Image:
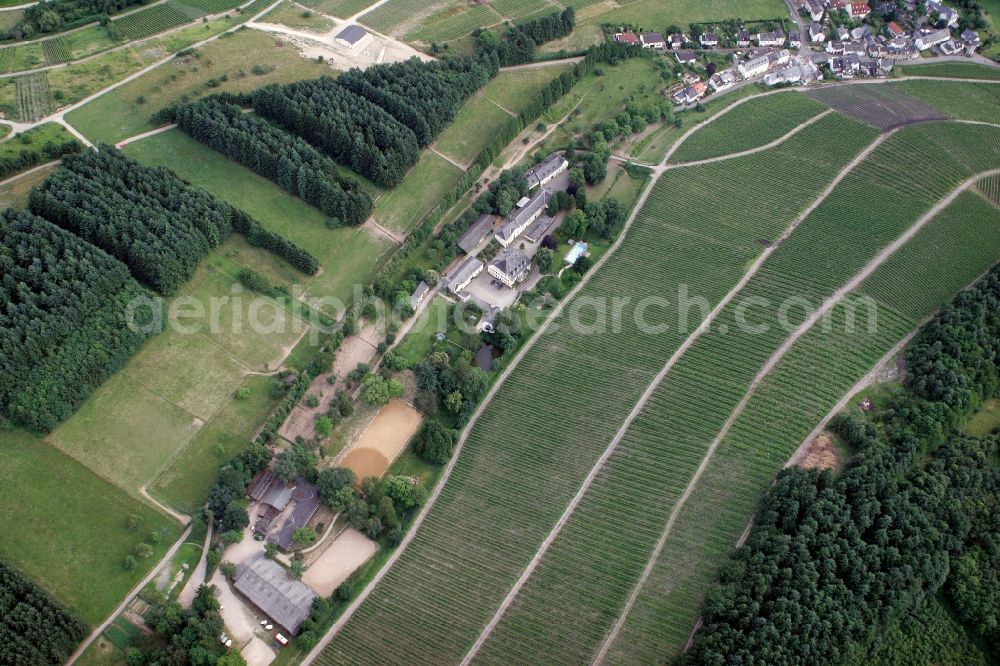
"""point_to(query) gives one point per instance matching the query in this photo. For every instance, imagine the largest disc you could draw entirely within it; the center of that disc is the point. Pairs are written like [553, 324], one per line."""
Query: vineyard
[448, 25]
[339, 8]
[990, 187]
[7, 59]
[206, 6]
[517, 9]
[521, 465]
[967, 101]
[56, 50]
[150, 21]
[752, 124]
[877, 105]
[34, 100]
[393, 13]
[792, 399]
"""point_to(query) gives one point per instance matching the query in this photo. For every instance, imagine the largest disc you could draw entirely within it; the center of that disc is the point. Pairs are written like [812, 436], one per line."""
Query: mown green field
[474, 127]
[752, 124]
[66, 527]
[425, 184]
[958, 70]
[522, 464]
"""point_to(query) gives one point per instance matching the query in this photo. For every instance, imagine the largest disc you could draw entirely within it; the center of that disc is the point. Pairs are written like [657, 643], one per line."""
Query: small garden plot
[7, 59]
[56, 50]
[877, 105]
[34, 100]
[382, 440]
[452, 23]
[150, 21]
[515, 9]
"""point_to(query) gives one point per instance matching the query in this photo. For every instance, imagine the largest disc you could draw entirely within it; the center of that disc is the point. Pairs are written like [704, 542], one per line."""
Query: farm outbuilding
[267, 585]
[353, 37]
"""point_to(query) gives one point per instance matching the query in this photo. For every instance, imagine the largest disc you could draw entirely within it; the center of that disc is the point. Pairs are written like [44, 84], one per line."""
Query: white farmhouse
[754, 67]
[519, 220]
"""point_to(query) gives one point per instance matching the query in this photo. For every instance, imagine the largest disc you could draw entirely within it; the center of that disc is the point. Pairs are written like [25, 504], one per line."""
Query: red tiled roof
[627, 38]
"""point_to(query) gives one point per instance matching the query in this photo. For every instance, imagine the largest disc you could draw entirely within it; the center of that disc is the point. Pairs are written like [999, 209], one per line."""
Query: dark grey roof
[260, 484]
[352, 34]
[278, 494]
[476, 232]
[307, 501]
[269, 587]
[521, 216]
[419, 293]
[545, 168]
[538, 227]
[512, 262]
[470, 267]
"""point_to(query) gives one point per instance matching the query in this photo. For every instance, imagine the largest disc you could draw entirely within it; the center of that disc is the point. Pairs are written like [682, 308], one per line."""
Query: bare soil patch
[382, 440]
[342, 557]
[822, 454]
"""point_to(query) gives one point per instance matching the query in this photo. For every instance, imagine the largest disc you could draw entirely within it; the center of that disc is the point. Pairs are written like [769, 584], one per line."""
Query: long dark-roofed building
[267, 585]
[475, 234]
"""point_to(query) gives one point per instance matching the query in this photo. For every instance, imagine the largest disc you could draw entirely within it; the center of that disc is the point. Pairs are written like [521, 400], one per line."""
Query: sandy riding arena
[382, 440]
[349, 551]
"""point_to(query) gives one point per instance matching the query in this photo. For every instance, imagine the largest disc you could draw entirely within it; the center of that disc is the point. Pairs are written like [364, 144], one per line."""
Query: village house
[510, 266]
[708, 40]
[894, 29]
[523, 216]
[754, 67]
[546, 170]
[931, 39]
[685, 57]
[722, 80]
[816, 34]
[626, 38]
[971, 39]
[463, 275]
[776, 38]
[742, 39]
[951, 47]
[949, 16]
[794, 41]
[858, 10]
[677, 40]
[843, 34]
[652, 40]
[689, 94]
[815, 8]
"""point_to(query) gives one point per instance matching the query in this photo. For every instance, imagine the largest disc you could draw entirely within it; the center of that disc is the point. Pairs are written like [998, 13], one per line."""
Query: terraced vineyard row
[150, 21]
[393, 13]
[967, 101]
[516, 9]
[339, 8]
[7, 59]
[750, 125]
[451, 26]
[208, 6]
[798, 393]
[990, 187]
[521, 464]
[34, 100]
[56, 50]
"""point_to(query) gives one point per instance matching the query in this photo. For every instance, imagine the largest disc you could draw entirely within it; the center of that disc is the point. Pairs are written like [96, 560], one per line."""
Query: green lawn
[959, 70]
[421, 338]
[295, 17]
[65, 526]
[15, 193]
[185, 483]
[117, 115]
[513, 90]
[348, 256]
[966, 101]
[473, 128]
[618, 184]
[419, 192]
[986, 421]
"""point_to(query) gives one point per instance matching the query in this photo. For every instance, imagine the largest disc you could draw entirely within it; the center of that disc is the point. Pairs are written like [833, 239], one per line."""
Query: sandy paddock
[382, 440]
[342, 557]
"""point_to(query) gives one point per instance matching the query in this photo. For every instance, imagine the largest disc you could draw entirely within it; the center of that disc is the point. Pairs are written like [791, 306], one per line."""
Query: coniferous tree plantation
[832, 563]
[277, 155]
[34, 628]
[375, 121]
[146, 217]
[63, 304]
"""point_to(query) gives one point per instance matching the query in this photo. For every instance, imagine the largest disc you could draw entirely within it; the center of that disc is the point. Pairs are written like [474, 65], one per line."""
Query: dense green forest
[282, 157]
[34, 628]
[518, 45]
[62, 319]
[366, 119]
[146, 217]
[834, 564]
